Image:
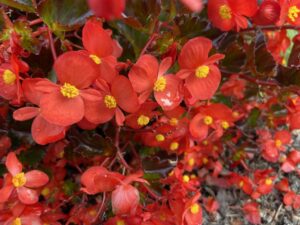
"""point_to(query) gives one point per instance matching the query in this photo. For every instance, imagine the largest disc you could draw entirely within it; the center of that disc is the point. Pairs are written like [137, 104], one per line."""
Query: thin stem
[36, 21]
[51, 42]
[151, 39]
[271, 27]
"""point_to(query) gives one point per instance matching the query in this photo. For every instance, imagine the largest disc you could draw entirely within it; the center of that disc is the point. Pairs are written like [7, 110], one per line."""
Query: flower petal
[12, 164]
[126, 98]
[76, 68]
[25, 113]
[140, 80]
[27, 196]
[36, 178]
[59, 110]
[197, 128]
[96, 112]
[194, 53]
[5, 193]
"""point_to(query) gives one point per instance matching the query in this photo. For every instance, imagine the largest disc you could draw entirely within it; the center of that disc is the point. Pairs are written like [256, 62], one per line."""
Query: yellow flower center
[19, 180]
[174, 146]
[9, 77]
[173, 121]
[278, 143]
[202, 71]
[120, 222]
[143, 120]
[293, 13]
[160, 84]
[93, 212]
[160, 137]
[195, 208]
[208, 120]
[225, 125]
[110, 101]
[225, 12]
[235, 114]
[45, 192]
[186, 178]
[69, 91]
[205, 142]
[191, 162]
[241, 184]
[268, 181]
[205, 160]
[96, 59]
[17, 221]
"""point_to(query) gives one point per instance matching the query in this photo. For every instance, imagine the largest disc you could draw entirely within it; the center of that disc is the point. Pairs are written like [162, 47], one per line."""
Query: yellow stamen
[174, 146]
[17, 221]
[120, 222]
[235, 114]
[268, 181]
[195, 208]
[160, 137]
[241, 184]
[293, 13]
[19, 180]
[208, 120]
[278, 143]
[186, 178]
[225, 12]
[93, 212]
[96, 59]
[202, 71]
[173, 121]
[9, 77]
[45, 192]
[205, 142]
[143, 120]
[225, 125]
[191, 162]
[69, 91]
[160, 84]
[205, 160]
[110, 101]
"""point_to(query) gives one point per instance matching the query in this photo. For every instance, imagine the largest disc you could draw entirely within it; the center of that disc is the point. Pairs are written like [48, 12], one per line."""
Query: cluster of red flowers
[169, 104]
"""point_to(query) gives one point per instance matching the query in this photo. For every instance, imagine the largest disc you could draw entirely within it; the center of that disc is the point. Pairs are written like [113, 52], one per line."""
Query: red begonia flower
[290, 12]
[102, 53]
[119, 95]
[21, 182]
[147, 76]
[63, 104]
[251, 211]
[202, 77]
[227, 14]
[108, 9]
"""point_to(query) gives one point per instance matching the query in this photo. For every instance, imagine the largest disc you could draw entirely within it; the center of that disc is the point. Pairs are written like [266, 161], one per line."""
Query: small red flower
[234, 87]
[147, 76]
[21, 182]
[64, 104]
[108, 9]
[227, 14]
[268, 13]
[251, 211]
[290, 12]
[202, 77]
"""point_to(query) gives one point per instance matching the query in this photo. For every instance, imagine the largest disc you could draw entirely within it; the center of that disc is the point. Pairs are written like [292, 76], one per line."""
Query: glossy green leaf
[24, 5]
[64, 15]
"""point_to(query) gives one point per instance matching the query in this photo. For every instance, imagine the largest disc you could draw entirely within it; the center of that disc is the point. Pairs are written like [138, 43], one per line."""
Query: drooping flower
[147, 76]
[108, 9]
[119, 95]
[22, 183]
[202, 77]
[229, 14]
[63, 104]
[268, 13]
[104, 52]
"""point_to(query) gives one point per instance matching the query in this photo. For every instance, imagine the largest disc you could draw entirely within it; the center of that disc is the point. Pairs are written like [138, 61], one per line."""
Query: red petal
[242, 7]
[59, 110]
[76, 68]
[45, 86]
[193, 5]
[30, 93]
[13, 165]
[90, 94]
[204, 88]
[197, 128]
[194, 53]
[150, 64]
[126, 98]
[120, 118]
[170, 98]
[97, 112]
[124, 199]
[165, 64]
[5, 193]
[44, 132]
[91, 34]
[27, 196]
[108, 69]
[252, 212]
[25, 113]
[36, 178]
[139, 79]
[108, 9]
[185, 73]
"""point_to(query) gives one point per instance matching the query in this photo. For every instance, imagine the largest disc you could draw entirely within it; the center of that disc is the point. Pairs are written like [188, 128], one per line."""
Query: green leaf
[69, 187]
[32, 156]
[253, 117]
[64, 15]
[24, 5]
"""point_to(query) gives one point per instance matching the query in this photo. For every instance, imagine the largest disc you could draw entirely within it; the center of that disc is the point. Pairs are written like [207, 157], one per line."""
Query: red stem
[36, 21]
[151, 39]
[51, 42]
[272, 27]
